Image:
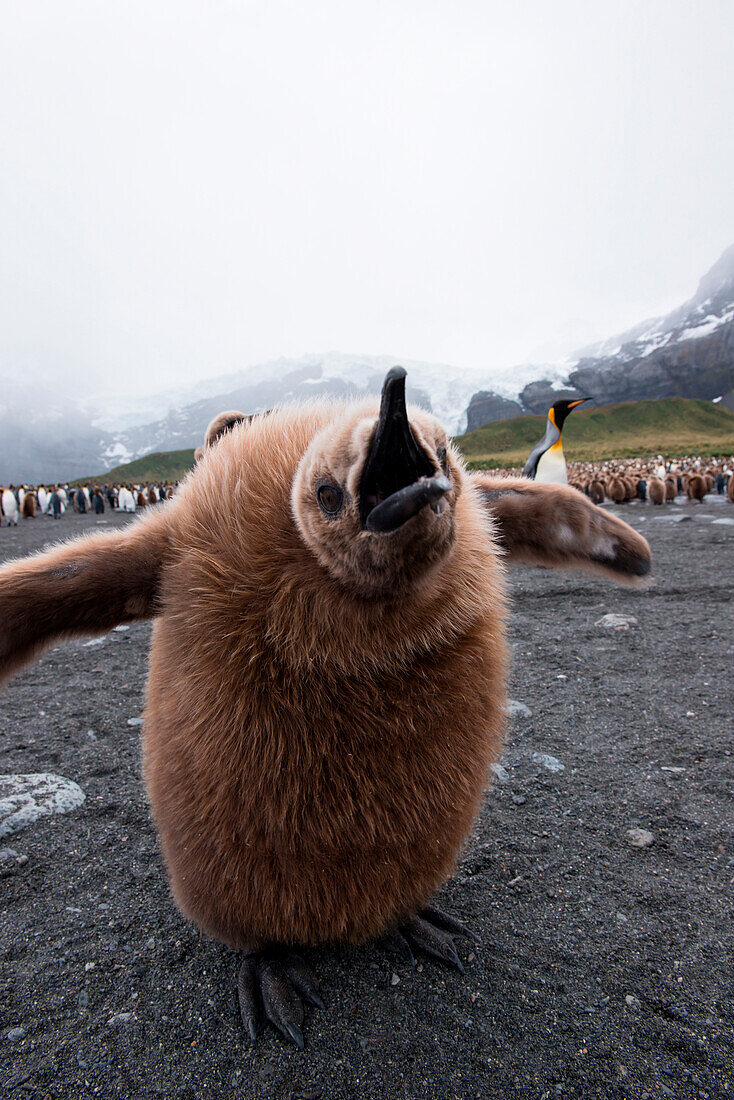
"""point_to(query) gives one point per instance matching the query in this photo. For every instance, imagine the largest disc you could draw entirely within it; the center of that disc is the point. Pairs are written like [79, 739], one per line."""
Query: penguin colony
[653, 481]
[327, 671]
[595, 481]
[619, 482]
[29, 501]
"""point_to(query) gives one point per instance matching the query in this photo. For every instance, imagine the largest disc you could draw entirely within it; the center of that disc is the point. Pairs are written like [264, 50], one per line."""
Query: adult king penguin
[327, 672]
[547, 462]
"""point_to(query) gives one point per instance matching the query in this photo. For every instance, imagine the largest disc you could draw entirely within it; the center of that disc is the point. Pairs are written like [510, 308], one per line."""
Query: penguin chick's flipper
[86, 586]
[431, 931]
[556, 526]
[272, 985]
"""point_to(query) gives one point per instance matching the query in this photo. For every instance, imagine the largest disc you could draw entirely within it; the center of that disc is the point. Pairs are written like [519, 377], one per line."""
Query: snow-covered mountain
[687, 353]
[441, 389]
[42, 441]
[46, 436]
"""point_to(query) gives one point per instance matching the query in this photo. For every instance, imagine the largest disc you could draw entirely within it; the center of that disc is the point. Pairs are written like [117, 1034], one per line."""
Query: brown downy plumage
[28, 508]
[222, 423]
[671, 487]
[327, 672]
[695, 487]
[617, 490]
[596, 491]
[655, 490]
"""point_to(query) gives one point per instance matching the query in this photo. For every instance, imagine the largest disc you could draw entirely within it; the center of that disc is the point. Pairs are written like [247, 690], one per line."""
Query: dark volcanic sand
[573, 920]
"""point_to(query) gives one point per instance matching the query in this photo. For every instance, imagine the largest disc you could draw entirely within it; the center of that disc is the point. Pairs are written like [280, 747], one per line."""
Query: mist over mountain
[689, 352]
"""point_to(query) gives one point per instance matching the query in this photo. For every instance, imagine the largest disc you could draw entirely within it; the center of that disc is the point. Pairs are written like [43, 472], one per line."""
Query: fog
[191, 187]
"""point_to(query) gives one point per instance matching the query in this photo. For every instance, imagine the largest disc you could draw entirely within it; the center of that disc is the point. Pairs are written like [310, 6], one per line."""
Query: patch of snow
[118, 452]
[695, 332]
[657, 340]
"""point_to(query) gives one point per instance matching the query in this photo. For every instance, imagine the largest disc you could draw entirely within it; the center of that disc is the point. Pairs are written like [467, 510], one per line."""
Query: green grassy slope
[670, 426]
[159, 466]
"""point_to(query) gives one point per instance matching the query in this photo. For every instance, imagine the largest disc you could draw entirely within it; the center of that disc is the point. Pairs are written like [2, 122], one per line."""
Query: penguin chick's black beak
[398, 479]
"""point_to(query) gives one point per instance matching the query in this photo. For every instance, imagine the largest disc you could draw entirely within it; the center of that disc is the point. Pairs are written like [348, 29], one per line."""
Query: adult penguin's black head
[559, 410]
[374, 494]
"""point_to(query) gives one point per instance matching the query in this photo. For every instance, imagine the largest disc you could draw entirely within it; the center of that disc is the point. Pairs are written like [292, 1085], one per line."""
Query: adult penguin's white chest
[552, 466]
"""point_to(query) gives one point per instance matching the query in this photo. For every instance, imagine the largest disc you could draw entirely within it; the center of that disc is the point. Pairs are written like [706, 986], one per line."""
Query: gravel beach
[598, 876]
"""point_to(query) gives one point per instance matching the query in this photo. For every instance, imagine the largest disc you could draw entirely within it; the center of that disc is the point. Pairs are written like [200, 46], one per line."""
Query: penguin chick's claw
[431, 931]
[272, 986]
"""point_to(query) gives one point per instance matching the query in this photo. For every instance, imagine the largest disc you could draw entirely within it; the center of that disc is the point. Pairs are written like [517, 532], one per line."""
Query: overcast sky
[187, 188]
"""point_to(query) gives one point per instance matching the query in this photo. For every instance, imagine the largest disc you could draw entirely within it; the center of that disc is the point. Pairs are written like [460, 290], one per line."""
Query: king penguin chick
[546, 462]
[327, 672]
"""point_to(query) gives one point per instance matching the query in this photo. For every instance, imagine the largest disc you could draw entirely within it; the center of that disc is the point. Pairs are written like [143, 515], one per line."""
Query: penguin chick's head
[374, 494]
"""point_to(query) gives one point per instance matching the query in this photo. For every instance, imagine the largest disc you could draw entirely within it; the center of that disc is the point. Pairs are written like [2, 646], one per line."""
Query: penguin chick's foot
[431, 931]
[272, 985]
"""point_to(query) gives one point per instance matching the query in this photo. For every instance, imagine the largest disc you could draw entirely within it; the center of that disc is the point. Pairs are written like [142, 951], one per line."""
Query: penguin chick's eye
[330, 498]
[442, 458]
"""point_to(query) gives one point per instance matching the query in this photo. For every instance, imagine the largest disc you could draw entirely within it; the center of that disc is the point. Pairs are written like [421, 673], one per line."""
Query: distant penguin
[730, 488]
[125, 500]
[28, 507]
[671, 488]
[43, 497]
[327, 675]
[656, 491]
[596, 491]
[617, 490]
[547, 462]
[10, 507]
[695, 487]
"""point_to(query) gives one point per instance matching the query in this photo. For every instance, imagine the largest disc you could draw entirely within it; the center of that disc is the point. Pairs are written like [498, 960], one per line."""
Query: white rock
[616, 622]
[25, 798]
[517, 710]
[728, 522]
[120, 1019]
[96, 641]
[135, 721]
[501, 774]
[119, 629]
[640, 838]
[552, 763]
